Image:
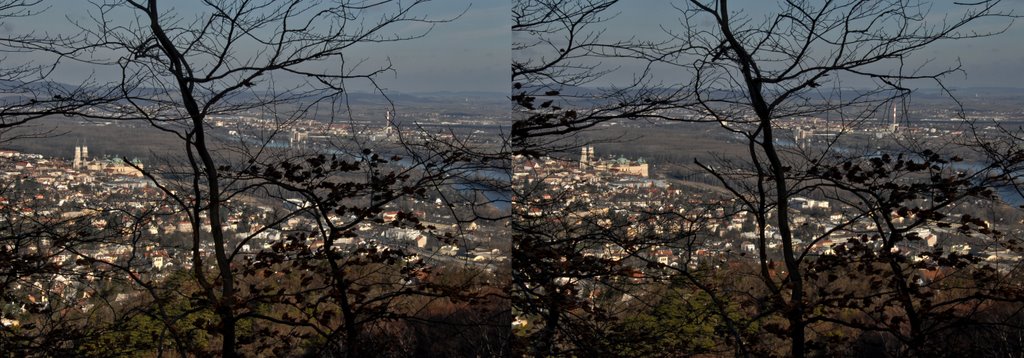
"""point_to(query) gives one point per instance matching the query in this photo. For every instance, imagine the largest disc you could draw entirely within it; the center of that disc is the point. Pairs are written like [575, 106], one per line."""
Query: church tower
[587, 156]
[583, 157]
[77, 163]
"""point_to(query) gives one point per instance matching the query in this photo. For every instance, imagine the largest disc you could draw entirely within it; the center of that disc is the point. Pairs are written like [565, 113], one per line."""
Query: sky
[469, 53]
[996, 61]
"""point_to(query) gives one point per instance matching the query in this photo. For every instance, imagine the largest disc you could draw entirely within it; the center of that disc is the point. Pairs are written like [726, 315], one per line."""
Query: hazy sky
[991, 61]
[470, 53]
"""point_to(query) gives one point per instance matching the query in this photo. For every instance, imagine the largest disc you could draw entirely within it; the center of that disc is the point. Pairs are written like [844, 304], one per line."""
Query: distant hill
[355, 97]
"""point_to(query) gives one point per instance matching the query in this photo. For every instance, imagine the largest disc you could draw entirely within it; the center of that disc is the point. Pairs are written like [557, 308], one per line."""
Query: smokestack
[895, 124]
